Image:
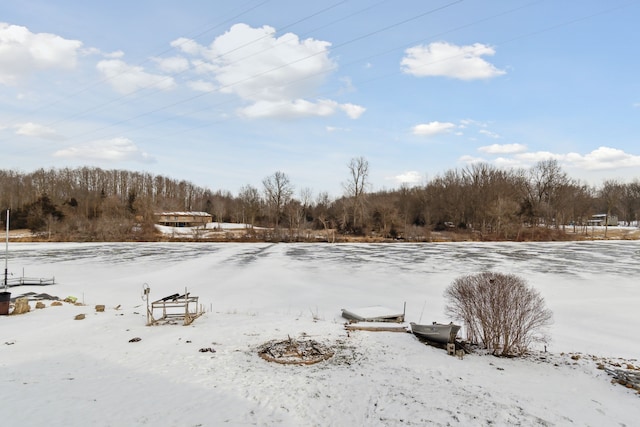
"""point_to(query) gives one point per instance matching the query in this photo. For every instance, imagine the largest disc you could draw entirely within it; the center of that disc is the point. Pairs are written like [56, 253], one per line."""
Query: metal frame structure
[173, 307]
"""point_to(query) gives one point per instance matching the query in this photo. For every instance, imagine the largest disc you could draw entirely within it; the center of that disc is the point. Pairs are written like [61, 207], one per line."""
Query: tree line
[93, 204]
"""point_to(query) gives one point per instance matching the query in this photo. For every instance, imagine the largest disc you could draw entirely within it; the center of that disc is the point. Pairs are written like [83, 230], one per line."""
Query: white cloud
[258, 66]
[353, 111]
[449, 60]
[114, 55]
[470, 122]
[37, 131]
[347, 85]
[290, 109]
[201, 86]
[203, 67]
[409, 177]
[489, 134]
[110, 150]
[501, 162]
[433, 128]
[174, 64]
[126, 78]
[297, 108]
[511, 163]
[470, 159]
[337, 129]
[188, 46]
[95, 51]
[603, 158]
[23, 52]
[538, 156]
[88, 51]
[600, 159]
[277, 76]
[503, 148]
[255, 65]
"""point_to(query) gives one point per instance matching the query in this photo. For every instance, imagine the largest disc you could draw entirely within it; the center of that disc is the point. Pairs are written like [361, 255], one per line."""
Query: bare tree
[278, 191]
[499, 310]
[384, 217]
[355, 188]
[490, 197]
[446, 197]
[546, 178]
[295, 216]
[503, 204]
[630, 205]
[306, 196]
[323, 215]
[611, 195]
[250, 202]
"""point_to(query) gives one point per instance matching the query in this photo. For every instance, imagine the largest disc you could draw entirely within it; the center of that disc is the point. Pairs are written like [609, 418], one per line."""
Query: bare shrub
[500, 311]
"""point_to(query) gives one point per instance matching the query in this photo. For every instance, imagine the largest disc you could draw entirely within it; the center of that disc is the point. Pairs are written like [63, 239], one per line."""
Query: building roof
[183, 213]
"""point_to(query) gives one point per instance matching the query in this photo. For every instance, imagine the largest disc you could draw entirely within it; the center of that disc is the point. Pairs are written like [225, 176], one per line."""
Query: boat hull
[372, 314]
[436, 332]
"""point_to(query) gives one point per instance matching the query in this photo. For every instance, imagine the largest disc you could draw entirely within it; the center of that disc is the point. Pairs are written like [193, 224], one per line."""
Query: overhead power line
[363, 36]
[271, 70]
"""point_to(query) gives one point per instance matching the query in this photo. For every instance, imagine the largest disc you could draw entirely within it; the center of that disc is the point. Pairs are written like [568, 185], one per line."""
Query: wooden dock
[29, 281]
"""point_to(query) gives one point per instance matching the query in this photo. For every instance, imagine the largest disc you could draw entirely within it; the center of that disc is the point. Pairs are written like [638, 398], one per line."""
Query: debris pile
[626, 377]
[295, 352]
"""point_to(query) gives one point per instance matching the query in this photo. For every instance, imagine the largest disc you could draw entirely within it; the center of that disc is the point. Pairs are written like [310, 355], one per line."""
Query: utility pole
[5, 296]
[6, 257]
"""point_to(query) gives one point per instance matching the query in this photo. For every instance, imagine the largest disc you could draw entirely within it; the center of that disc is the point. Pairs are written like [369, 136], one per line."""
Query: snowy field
[57, 371]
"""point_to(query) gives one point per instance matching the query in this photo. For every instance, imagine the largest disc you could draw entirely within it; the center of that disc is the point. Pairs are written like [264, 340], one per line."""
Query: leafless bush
[499, 311]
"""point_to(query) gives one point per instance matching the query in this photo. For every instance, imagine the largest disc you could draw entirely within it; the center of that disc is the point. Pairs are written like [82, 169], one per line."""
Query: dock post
[451, 349]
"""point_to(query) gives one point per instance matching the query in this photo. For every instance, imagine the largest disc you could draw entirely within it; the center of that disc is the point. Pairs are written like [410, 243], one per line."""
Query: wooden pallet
[626, 378]
[373, 327]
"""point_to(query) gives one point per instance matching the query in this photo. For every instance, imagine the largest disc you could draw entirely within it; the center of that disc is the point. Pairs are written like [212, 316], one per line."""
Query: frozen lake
[611, 258]
[253, 293]
[593, 284]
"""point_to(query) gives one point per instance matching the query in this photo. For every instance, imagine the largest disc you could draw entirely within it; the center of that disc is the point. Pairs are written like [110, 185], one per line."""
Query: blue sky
[225, 93]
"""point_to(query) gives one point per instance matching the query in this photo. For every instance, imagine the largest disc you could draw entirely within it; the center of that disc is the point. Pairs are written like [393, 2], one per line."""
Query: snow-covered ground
[57, 371]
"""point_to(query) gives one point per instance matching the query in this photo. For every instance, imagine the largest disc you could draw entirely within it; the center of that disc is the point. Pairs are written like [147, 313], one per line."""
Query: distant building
[183, 219]
[603, 219]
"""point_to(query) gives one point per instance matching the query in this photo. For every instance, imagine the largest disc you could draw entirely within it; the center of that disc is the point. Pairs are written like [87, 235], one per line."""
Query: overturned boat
[436, 332]
[373, 314]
